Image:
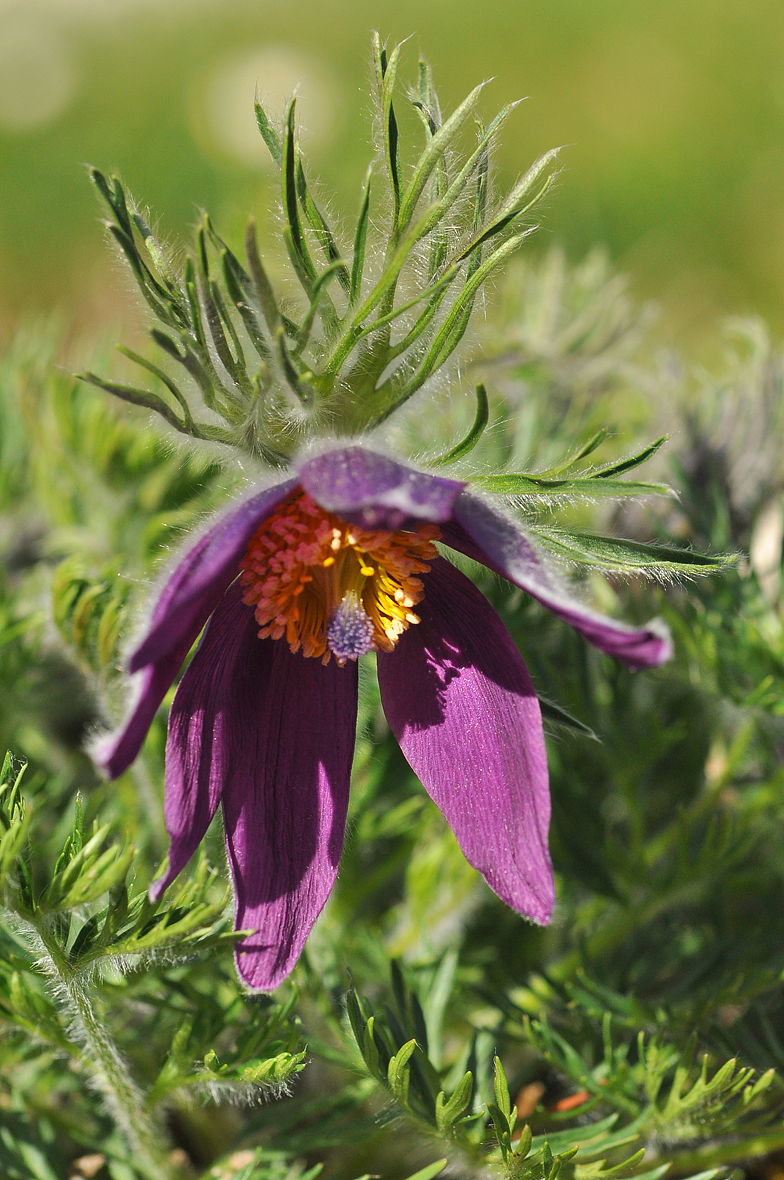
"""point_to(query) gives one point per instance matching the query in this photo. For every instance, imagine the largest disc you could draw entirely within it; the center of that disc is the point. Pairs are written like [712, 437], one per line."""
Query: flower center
[332, 588]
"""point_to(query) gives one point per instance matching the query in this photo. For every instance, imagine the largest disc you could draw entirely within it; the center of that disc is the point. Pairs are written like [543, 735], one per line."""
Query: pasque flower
[296, 581]
[290, 586]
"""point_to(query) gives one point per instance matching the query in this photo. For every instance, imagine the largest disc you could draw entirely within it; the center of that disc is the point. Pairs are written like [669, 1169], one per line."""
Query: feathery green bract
[370, 335]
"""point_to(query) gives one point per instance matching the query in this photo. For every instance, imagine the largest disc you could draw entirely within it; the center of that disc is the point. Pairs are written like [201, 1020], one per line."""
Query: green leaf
[629, 556]
[369, 1049]
[261, 284]
[318, 293]
[576, 1136]
[448, 337]
[437, 145]
[295, 241]
[759, 1087]
[430, 1171]
[137, 397]
[523, 1145]
[216, 317]
[85, 939]
[501, 1088]
[156, 252]
[321, 229]
[238, 286]
[501, 1128]
[598, 1171]
[520, 199]
[534, 485]
[269, 134]
[386, 284]
[360, 240]
[163, 378]
[165, 302]
[68, 876]
[449, 1111]
[12, 843]
[398, 1071]
[475, 433]
[386, 72]
[101, 876]
[181, 1038]
[571, 461]
[272, 1070]
[630, 461]
[556, 713]
[11, 775]
[436, 212]
[452, 329]
[356, 1016]
[294, 378]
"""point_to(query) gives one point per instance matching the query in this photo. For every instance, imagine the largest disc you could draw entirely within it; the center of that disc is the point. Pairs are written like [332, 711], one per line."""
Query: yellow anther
[303, 561]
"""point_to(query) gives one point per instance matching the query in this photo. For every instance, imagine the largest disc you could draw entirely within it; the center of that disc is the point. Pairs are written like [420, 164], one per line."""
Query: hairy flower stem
[108, 1070]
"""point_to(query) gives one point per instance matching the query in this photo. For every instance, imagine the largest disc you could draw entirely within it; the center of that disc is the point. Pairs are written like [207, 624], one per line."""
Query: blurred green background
[673, 111]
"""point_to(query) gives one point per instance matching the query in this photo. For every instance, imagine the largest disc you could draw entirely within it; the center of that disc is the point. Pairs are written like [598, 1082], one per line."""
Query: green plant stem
[109, 1071]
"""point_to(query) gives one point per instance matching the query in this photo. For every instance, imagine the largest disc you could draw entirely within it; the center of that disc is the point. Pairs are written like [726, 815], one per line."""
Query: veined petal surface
[185, 602]
[290, 746]
[461, 704]
[483, 533]
[375, 491]
[202, 743]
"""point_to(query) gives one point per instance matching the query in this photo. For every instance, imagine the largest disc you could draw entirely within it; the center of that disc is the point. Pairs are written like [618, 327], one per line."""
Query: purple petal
[486, 535]
[184, 604]
[375, 491]
[202, 574]
[460, 702]
[289, 750]
[200, 745]
[115, 753]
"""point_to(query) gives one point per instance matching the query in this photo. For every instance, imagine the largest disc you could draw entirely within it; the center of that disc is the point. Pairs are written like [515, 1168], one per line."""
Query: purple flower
[294, 582]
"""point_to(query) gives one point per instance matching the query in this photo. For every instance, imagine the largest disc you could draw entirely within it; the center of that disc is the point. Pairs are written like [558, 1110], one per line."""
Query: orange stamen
[304, 564]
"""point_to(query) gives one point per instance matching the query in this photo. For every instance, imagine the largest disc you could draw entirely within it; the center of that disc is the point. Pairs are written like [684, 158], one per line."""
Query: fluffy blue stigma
[350, 630]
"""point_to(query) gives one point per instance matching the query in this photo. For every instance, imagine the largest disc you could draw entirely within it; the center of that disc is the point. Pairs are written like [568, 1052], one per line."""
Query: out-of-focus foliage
[673, 112]
[639, 1035]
